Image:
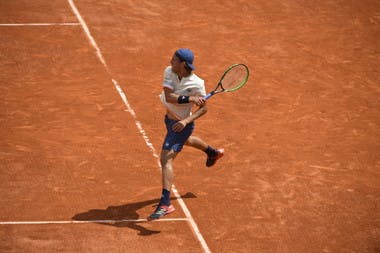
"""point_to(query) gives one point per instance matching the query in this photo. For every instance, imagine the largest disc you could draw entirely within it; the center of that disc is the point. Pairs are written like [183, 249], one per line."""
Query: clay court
[81, 126]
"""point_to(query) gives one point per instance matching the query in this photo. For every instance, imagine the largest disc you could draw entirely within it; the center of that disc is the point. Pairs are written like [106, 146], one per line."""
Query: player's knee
[163, 161]
[167, 158]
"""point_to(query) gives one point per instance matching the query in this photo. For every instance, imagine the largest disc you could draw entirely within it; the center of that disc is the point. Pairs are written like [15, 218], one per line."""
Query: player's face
[176, 64]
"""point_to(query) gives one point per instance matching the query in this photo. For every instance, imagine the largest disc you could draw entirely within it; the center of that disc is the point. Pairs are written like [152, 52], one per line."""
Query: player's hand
[179, 126]
[197, 100]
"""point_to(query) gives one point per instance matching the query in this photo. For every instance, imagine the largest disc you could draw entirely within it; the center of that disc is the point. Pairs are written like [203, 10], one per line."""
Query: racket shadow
[126, 212]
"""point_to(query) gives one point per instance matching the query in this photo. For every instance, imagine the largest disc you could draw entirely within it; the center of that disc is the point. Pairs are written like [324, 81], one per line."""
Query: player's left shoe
[211, 160]
[161, 211]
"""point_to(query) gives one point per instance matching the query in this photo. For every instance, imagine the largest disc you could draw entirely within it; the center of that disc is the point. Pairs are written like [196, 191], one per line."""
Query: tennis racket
[232, 79]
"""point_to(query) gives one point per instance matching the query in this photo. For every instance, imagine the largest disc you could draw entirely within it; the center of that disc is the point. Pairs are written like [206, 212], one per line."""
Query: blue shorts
[175, 140]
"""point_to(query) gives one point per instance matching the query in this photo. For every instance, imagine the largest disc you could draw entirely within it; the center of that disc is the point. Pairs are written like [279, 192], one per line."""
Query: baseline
[42, 24]
[86, 221]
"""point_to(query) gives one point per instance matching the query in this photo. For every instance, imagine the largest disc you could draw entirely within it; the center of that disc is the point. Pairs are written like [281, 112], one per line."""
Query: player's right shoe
[211, 160]
[161, 211]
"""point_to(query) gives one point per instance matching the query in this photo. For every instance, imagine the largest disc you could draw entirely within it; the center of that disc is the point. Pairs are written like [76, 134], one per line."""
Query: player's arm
[180, 125]
[201, 110]
[173, 98]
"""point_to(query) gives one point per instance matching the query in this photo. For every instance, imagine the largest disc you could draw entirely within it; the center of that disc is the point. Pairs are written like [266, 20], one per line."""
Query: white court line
[87, 221]
[138, 124]
[41, 24]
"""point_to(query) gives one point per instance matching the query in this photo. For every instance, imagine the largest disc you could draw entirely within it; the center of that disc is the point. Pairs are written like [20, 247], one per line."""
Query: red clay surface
[301, 170]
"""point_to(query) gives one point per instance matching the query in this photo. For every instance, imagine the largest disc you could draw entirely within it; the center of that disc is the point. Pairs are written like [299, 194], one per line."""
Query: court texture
[81, 126]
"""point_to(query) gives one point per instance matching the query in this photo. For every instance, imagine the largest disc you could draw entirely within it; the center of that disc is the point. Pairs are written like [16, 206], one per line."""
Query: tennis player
[182, 89]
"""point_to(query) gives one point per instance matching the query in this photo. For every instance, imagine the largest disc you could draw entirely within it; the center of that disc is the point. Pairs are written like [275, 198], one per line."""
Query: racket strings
[235, 77]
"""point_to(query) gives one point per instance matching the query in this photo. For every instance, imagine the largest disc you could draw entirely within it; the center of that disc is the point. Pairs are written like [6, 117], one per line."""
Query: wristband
[183, 99]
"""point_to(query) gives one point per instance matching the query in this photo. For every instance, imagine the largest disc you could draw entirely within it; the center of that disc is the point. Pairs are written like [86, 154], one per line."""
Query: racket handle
[208, 95]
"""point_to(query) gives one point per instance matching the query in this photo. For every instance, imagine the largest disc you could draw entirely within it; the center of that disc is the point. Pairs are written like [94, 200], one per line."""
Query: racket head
[234, 77]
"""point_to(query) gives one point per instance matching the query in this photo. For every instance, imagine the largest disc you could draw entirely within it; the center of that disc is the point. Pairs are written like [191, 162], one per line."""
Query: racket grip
[208, 96]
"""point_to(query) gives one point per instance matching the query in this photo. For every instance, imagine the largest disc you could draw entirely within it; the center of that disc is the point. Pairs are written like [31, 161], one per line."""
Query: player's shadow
[124, 212]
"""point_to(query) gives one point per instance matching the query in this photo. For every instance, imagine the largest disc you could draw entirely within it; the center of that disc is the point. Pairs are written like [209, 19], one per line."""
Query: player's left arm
[173, 98]
[199, 112]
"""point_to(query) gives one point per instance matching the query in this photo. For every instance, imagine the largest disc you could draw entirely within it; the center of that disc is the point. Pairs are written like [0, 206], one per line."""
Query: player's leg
[196, 142]
[212, 154]
[164, 206]
[167, 158]
[172, 145]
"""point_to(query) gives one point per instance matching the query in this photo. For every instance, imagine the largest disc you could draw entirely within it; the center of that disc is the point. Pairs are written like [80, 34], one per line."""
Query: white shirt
[187, 86]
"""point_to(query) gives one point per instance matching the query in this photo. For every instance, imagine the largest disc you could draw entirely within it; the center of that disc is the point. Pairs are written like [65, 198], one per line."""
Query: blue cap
[187, 56]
